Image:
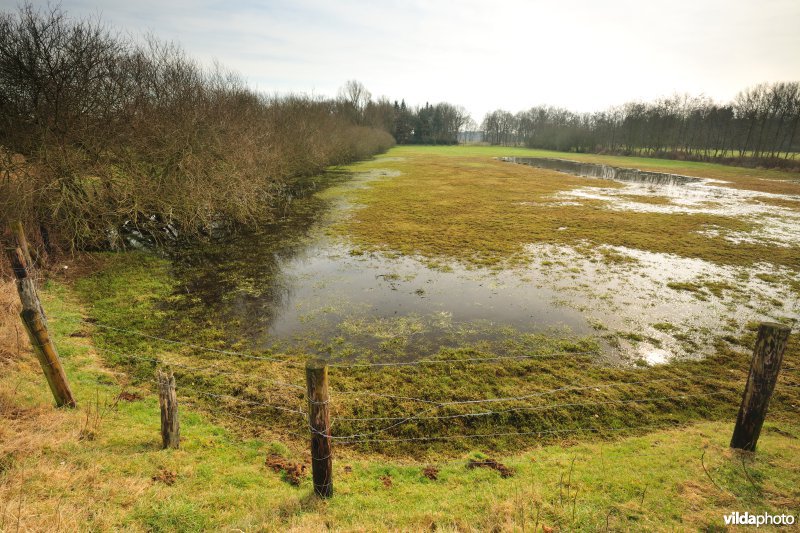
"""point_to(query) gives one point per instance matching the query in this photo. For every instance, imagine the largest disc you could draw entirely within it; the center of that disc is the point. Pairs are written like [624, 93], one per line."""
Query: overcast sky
[487, 54]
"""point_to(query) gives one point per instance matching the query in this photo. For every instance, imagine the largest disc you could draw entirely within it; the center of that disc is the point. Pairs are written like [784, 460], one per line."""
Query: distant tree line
[102, 134]
[761, 126]
[430, 124]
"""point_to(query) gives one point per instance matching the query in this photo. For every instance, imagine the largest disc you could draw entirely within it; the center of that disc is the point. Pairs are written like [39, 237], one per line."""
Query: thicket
[760, 126]
[103, 136]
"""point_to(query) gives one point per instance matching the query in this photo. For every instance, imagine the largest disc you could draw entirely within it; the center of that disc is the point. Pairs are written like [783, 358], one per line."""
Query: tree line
[429, 124]
[760, 126]
[102, 135]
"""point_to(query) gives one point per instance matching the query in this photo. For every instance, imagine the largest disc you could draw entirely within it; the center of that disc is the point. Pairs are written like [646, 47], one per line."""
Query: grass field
[456, 202]
[100, 468]
[659, 465]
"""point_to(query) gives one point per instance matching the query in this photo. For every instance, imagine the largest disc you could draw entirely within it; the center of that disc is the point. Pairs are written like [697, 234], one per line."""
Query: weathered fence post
[36, 325]
[22, 242]
[168, 400]
[319, 422]
[767, 358]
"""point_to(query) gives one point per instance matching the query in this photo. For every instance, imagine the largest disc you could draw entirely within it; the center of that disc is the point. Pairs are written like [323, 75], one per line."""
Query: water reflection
[291, 285]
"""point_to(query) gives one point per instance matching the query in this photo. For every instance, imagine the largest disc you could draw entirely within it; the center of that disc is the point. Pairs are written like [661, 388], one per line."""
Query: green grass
[131, 287]
[661, 464]
[777, 181]
[459, 203]
[54, 480]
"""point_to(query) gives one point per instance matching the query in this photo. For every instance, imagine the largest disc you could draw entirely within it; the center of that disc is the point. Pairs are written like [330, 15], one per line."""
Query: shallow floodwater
[775, 226]
[293, 286]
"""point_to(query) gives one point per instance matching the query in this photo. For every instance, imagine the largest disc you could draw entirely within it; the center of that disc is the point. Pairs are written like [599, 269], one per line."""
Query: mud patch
[504, 470]
[167, 477]
[431, 472]
[293, 473]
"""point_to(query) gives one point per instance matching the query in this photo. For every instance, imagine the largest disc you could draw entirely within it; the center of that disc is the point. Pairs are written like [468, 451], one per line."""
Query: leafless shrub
[102, 137]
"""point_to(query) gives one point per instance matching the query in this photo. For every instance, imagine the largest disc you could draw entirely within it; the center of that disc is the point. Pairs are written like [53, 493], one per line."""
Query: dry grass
[13, 340]
[33, 439]
[30, 429]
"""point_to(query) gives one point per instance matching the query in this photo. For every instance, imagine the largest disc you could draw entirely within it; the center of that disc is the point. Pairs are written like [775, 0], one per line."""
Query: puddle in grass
[292, 287]
[655, 307]
[778, 226]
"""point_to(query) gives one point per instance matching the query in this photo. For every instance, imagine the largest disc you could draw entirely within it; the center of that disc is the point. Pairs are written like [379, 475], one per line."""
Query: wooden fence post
[168, 400]
[36, 325]
[319, 422]
[767, 358]
[22, 242]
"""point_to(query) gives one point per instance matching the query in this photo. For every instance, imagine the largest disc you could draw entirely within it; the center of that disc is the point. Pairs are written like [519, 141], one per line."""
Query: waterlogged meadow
[606, 291]
[429, 248]
[584, 342]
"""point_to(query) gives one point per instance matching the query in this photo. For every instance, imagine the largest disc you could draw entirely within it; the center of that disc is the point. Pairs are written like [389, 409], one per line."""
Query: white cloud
[580, 54]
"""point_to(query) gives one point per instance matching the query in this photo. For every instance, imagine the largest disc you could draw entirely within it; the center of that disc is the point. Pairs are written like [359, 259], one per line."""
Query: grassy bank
[568, 389]
[100, 467]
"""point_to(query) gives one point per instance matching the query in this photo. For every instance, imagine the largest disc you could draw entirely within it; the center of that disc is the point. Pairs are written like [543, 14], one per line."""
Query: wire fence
[381, 429]
[573, 408]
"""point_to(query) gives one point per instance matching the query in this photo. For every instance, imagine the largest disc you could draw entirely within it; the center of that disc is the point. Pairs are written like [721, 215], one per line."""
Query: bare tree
[356, 97]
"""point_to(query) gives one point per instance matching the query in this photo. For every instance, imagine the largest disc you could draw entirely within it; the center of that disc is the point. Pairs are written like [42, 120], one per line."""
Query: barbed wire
[190, 345]
[367, 436]
[511, 433]
[536, 408]
[462, 360]
[182, 386]
[211, 368]
[435, 406]
[223, 414]
[251, 402]
[499, 399]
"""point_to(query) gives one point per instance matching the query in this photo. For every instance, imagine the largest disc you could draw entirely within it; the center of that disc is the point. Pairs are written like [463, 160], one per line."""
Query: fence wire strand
[510, 433]
[536, 408]
[456, 361]
[211, 368]
[190, 345]
[430, 405]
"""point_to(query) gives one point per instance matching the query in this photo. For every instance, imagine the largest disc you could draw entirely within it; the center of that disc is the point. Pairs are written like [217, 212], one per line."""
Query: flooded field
[294, 286]
[311, 282]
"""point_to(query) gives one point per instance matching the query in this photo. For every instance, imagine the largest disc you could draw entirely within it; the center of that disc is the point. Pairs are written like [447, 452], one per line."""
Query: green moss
[694, 288]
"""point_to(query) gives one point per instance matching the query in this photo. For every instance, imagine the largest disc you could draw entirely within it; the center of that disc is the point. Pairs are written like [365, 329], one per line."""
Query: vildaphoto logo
[766, 519]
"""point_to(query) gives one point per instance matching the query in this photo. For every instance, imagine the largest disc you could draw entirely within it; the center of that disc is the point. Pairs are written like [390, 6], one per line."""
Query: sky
[585, 55]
